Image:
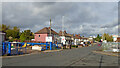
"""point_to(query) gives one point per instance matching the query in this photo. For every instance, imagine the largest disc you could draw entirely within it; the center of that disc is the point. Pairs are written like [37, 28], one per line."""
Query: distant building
[85, 39]
[115, 38]
[91, 39]
[41, 35]
[77, 38]
[118, 39]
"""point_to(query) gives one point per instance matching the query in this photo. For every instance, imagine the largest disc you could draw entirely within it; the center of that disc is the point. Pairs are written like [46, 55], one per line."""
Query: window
[39, 35]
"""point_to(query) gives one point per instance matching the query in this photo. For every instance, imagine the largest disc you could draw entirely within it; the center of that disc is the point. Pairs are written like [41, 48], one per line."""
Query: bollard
[46, 45]
[50, 45]
[9, 48]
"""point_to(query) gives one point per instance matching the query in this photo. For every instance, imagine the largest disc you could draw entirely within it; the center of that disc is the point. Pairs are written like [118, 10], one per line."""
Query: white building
[65, 38]
[2, 37]
[115, 37]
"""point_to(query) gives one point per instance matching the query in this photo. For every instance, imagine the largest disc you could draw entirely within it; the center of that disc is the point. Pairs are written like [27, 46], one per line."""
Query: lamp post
[62, 25]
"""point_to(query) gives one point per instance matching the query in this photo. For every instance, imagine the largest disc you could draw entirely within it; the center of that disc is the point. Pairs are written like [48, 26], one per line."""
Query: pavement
[69, 57]
[108, 53]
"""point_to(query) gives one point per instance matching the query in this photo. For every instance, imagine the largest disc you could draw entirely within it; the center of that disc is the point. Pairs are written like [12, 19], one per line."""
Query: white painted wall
[2, 37]
[63, 40]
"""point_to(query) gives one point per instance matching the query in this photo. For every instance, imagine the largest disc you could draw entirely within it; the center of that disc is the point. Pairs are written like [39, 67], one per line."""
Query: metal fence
[110, 46]
[16, 48]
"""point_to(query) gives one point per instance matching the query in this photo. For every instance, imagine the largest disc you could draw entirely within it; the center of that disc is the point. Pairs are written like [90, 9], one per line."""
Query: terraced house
[65, 38]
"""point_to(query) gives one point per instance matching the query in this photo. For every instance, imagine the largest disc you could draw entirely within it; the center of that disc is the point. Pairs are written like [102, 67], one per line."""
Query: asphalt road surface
[68, 57]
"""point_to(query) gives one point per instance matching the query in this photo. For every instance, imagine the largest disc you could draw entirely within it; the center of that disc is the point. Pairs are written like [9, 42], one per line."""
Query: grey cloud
[42, 4]
[91, 16]
[109, 25]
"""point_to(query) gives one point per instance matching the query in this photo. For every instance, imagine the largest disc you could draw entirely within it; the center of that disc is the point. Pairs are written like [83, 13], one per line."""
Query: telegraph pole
[50, 36]
[50, 27]
[62, 25]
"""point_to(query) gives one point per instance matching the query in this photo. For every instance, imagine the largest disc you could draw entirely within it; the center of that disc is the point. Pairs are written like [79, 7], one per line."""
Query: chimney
[78, 34]
[48, 27]
[64, 31]
[60, 31]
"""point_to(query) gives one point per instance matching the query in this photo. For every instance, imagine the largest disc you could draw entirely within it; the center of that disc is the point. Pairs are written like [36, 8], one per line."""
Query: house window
[39, 35]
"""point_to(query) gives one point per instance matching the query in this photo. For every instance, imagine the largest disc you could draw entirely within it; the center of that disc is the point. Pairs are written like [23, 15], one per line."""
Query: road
[68, 57]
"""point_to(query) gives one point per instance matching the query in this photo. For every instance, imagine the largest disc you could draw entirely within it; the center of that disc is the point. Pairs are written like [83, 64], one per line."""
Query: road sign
[63, 39]
[49, 39]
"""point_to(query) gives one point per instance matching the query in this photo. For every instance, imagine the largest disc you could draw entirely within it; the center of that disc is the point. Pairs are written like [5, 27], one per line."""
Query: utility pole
[50, 36]
[62, 25]
[50, 27]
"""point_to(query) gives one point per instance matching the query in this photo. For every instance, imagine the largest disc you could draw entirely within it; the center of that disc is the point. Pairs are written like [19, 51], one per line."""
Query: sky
[84, 18]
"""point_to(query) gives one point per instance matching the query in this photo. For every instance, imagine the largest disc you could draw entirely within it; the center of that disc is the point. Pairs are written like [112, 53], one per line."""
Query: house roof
[46, 30]
[118, 39]
[84, 38]
[70, 35]
[76, 36]
[64, 34]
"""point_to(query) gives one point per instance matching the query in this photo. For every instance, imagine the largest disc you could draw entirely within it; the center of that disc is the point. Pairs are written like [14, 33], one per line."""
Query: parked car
[80, 45]
[86, 45]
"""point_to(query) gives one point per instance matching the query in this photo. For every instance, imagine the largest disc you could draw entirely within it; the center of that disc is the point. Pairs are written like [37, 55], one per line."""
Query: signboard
[49, 39]
[36, 48]
[63, 39]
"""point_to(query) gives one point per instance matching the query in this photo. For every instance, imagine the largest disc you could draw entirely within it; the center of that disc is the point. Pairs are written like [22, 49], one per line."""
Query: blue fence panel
[6, 47]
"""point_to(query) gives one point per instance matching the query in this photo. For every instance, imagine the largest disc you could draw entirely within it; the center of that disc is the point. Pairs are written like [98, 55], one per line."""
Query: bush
[76, 46]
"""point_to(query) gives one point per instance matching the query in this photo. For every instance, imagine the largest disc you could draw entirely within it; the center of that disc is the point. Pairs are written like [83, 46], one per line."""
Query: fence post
[46, 45]
[21, 49]
[9, 48]
[62, 46]
[3, 49]
[57, 45]
[25, 48]
[32, 44]
[17, 49]
[50, 45]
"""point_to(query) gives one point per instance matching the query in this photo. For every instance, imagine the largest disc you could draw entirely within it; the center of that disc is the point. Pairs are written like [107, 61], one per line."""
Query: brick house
[118, 39]
[40, 36]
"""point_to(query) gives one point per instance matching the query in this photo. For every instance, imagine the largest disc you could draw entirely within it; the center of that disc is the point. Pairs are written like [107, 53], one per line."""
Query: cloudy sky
[85, 18]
